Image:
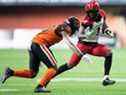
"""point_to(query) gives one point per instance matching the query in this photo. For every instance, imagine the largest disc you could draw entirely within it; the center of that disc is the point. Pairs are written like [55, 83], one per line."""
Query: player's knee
[52, 66]
[33, 74]
[109, 54]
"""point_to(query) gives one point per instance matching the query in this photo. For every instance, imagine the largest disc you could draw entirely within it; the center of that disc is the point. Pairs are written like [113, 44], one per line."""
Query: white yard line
[86, 79]
[61, 80]
[8, 90]
[68, 80]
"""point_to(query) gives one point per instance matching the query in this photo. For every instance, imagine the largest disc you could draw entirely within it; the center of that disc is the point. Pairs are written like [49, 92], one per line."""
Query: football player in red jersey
[40, 51]
[92, 27]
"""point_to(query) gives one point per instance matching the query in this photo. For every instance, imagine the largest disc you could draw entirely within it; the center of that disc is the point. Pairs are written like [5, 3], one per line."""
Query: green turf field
[18, 59]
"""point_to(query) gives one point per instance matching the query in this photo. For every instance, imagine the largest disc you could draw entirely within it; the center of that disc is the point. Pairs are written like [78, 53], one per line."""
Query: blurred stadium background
[23, 18]
[20, 20]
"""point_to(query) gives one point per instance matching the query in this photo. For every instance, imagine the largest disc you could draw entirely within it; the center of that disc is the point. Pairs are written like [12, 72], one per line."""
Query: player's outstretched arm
[71, 45]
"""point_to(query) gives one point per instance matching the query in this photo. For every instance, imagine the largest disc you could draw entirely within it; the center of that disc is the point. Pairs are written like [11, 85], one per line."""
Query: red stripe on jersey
[50, 55]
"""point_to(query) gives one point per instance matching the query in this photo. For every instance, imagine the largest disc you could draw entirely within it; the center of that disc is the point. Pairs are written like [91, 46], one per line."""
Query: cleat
[8, 73]
[107, 82]
[40, 89]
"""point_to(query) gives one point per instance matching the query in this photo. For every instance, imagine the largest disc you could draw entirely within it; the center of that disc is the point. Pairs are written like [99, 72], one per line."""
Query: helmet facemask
[93, 13]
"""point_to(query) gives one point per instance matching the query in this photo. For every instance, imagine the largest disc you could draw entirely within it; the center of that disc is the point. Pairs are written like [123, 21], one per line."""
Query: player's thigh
[101, 50]
[46, 56]
[74, 60]
[49, 57]
[83, 47]
[34, 62]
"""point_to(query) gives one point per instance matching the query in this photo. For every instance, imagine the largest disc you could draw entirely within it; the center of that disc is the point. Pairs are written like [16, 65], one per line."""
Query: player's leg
[104, 51]
[74, 60]
[34, 63]
[26, 73]
[49, 60]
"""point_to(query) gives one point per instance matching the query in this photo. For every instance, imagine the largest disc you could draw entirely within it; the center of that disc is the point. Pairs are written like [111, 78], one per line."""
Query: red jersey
[91, 34]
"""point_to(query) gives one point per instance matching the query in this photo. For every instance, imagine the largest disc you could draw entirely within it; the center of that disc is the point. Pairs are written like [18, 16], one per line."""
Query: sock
[47, 76]
[105, 77]
[107, 64]
[24, 73]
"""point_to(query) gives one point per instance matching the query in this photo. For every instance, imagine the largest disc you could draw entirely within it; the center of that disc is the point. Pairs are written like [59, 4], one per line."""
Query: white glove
[86, 58]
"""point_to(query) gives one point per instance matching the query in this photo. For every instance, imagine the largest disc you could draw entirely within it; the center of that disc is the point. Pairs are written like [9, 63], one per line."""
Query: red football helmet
[92, 5]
